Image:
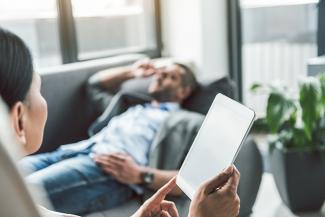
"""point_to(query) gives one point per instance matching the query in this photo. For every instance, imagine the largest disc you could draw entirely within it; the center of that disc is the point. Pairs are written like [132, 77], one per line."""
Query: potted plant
[297, 145]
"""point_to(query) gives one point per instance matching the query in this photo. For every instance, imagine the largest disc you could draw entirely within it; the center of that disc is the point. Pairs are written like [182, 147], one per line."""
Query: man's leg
[77, 185]
[37, 162]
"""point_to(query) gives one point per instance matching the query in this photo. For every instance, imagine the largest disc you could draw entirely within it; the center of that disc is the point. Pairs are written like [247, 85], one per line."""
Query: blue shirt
[133, 131]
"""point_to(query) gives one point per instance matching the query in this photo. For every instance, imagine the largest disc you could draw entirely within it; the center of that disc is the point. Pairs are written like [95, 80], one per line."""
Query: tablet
[217, 143]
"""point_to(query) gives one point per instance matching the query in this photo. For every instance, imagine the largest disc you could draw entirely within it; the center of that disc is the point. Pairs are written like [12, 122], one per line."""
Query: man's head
[173, 83]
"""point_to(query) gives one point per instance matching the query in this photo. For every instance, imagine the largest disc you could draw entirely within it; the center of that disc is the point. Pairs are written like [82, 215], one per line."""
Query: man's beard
[166, 95]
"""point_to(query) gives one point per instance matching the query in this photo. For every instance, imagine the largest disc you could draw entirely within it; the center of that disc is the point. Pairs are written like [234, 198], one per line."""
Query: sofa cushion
[201, 100]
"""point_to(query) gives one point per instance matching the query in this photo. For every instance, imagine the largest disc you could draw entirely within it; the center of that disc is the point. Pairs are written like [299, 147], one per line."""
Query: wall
[197, 30]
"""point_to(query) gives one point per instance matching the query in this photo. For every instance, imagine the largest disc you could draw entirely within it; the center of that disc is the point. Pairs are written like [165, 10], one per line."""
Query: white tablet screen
[216, 144]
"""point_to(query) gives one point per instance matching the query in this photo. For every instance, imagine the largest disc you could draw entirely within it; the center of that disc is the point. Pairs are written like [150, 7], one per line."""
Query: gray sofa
[71, 112]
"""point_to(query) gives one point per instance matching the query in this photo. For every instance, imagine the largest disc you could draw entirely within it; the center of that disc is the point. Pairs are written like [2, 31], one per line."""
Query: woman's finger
[164, 214]
[163, 191]
[218, 181]
[233, 182]
[170, 207]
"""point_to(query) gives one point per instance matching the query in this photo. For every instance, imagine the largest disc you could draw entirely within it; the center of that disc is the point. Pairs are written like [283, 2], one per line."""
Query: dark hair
[188, 79]
[16, 68]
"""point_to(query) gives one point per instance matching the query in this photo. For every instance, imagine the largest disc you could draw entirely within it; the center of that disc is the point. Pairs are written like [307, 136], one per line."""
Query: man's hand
[218, 197]
[143, 68]
[157, 206]
[121, 166]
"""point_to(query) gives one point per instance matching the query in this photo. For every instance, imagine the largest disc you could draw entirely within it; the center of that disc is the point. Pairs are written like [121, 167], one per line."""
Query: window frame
[321, 29]
[68, 36]
[235, 46]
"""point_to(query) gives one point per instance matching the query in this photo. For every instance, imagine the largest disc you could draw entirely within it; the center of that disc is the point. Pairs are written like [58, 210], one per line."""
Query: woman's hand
[157, 205]
[218, 196]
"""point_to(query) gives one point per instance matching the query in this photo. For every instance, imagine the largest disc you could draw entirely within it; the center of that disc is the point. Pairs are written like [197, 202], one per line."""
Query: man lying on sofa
[127, 148]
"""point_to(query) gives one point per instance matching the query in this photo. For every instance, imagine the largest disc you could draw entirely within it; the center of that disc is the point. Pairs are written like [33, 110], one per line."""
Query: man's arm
[114, 77]
[124, 169]
[161, 177]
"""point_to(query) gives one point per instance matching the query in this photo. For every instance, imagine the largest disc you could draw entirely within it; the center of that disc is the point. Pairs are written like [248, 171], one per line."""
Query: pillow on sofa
[199, 101]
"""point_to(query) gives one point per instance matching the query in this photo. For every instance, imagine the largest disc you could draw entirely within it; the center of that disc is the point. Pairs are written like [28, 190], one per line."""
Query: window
[106, 27]
[279, 36]
[35, 21]
[101, 28]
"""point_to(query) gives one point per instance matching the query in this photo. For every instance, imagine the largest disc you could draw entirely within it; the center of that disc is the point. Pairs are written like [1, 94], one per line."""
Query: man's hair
[189, 79]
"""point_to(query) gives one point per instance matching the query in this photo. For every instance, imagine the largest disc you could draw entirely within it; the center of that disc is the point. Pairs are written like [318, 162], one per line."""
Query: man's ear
[18, 113]
[184, 93]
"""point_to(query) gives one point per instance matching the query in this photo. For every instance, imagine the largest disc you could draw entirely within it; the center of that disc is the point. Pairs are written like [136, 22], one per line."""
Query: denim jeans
[74, 183]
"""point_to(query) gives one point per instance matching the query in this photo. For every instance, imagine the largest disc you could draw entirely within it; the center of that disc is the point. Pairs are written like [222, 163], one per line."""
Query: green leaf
[284, 138]
[309, 102]
[255, 87]
[322, 87]
[260, 126]
[319, 134]
[299, 138]
[279, 110]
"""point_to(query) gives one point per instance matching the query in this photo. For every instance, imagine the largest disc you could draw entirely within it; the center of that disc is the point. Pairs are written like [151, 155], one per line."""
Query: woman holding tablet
[20, 90]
